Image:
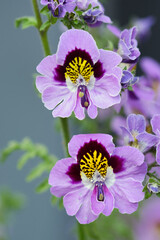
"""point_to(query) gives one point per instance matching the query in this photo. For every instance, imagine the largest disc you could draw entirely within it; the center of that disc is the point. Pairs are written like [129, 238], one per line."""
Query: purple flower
[94, 17]
[84, 4]
[98, 177]
[155, 122]
[59, 7]
[135, 134]
[143, 27]
[127, 46]
[79, 77]
[148, 225]
[128, 79]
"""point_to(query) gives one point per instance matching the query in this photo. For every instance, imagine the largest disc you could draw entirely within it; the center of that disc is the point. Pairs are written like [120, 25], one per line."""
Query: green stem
[81, 234]
[65, 130]
[46, 48]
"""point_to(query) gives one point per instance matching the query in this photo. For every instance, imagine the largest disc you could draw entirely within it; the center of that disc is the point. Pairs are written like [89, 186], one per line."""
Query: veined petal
[132, 189]
[109, 60]
[122, 203]
[102, 99]
[136, 123]
[66, 108]
[53, 95]
[42, 82]
[61, 183]
[78, 141]
[76, 39]
[85, 214]
[47, 65]
[73, 200]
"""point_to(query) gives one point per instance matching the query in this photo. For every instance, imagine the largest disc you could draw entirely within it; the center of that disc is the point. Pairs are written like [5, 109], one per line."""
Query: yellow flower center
[79, 67]
[93, 161]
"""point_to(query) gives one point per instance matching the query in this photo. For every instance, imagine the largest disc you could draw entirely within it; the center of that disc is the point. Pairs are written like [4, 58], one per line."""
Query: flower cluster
[82, 78]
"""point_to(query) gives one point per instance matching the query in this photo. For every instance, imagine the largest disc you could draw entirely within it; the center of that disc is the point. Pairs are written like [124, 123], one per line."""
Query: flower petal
[122, 203]
[66, 108]
[97, 206]
[61, 183]
[78, 141]
[102, 99]
[53, 95]
[136, 123]
[158, 154]
[79, 110]
[85, 214]
[155, 122]
[132, 189]
[109, 202]
[73, 200]
[109, 60]
[42, 82]
[74, 38]
[146, 141]
[47, 65]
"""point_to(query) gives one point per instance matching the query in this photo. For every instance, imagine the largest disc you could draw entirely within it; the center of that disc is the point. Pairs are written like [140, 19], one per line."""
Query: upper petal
[136, 123]
[74, 38]
[78, 141]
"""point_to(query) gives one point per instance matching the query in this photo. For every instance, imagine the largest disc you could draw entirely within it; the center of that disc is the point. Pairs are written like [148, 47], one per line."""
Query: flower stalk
[46, 48]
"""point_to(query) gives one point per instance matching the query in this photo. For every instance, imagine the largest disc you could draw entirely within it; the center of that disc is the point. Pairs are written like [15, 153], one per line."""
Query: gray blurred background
[23, 114]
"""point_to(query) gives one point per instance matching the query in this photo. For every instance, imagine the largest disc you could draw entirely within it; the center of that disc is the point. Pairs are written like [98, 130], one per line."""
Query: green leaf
[158, 194]
[43, 186]
[53, 19]
[37, 171]
[54, 200]
[45, 26]
[26, 22]
[45, 11]
[24, 159]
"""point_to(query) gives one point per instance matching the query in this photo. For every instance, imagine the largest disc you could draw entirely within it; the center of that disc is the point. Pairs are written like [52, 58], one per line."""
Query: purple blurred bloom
[128, 79]
[135, 134]
[59, 7]
[127, 46]
[98, 177]
[84, 4]
[79, 77]
[155, 122]
[94, 17]
[143, 27]
[148, 226]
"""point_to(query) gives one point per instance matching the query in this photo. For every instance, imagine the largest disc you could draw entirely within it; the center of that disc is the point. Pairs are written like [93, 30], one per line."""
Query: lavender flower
[98, 177]
[79, 77]
[148, 225]
[59, 7]
[94, 17]
[128, 79]
[155, 122]
[135, 134]
[127, 46]
[143, 27]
